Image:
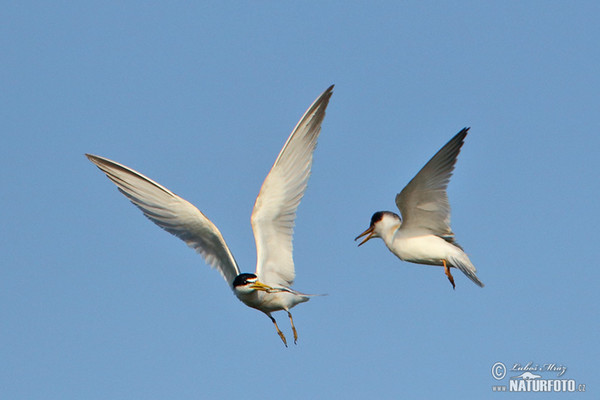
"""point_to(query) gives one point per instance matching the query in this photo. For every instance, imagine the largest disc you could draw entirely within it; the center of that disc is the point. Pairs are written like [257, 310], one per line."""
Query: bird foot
[283, 338]
[449, 274]
[295, 335]
[281, 335]
[293, 327]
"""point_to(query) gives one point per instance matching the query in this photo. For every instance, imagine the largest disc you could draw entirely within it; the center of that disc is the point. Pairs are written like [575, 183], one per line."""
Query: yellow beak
[370, 232]
[260, 286]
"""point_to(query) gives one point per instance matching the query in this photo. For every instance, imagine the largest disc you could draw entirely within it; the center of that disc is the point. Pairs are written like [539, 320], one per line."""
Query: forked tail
[462, 262]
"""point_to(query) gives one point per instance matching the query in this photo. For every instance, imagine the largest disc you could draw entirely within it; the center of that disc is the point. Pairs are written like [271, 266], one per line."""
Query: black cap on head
[242, 279]
[377, 217]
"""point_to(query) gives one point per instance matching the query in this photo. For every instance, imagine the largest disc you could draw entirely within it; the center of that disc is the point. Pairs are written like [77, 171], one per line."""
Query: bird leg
[278, 331]
[448, 274]
[293, 327]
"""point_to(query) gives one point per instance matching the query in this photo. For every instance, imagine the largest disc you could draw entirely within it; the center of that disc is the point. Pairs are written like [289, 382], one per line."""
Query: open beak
[370, 232]
[260, 286]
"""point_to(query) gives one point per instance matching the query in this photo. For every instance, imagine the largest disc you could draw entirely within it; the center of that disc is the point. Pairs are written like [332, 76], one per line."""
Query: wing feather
[423, 203]
[172, 213]
[275, 207]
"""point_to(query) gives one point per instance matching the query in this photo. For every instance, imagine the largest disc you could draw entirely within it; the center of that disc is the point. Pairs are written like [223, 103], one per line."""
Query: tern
[269, 288]
[425, 236]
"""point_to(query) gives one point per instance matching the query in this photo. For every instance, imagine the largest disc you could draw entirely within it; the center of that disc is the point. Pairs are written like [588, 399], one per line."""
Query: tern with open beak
[423, 234]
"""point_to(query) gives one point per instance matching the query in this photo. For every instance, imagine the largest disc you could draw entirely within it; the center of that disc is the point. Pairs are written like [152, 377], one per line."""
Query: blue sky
[98, 303]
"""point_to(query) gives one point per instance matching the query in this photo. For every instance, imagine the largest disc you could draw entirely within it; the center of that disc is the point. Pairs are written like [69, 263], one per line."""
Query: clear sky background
[98, 303]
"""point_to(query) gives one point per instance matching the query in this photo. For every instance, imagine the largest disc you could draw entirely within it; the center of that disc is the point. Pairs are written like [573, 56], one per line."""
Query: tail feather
[463, 263]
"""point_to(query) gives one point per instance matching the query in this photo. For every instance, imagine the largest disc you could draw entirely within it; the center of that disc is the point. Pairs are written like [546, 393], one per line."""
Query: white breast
[426, 249]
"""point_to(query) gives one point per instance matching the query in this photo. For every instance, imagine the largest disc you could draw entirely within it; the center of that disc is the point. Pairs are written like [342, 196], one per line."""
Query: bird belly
[282, 300]
[425, 249]
[274, 301]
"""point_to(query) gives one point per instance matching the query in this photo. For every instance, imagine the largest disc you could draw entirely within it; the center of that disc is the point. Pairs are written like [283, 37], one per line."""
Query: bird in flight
[423, 234]
[269, 288]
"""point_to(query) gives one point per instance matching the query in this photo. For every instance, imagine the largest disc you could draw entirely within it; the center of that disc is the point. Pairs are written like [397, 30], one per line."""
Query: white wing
[173, 214]
[423, 203]
[275, 208]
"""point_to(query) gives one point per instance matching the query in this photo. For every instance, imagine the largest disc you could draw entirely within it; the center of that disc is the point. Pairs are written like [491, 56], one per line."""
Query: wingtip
[326, 95]
[458, 139]
[96, 160]
[92, 158]
[320, 104]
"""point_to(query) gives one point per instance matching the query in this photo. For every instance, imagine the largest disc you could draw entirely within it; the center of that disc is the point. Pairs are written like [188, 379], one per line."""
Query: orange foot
[448, 274]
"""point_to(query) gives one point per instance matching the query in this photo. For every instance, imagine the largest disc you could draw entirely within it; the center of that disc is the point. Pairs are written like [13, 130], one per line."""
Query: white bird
[425, 236]
[269, 288]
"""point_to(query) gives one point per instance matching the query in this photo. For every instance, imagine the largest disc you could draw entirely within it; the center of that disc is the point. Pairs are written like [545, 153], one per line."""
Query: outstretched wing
[423, 203]
[275, 208]
[172, 213]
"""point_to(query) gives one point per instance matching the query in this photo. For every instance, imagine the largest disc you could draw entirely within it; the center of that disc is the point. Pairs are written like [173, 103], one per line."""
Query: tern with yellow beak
[269, 288]
[425, 236]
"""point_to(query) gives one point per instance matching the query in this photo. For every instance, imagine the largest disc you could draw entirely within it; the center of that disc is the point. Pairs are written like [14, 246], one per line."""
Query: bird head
[248, 283]
[381, 221]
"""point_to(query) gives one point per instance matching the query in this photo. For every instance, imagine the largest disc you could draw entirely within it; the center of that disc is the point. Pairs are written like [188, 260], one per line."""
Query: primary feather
[275, 207]
[173, 214]
[423, 203]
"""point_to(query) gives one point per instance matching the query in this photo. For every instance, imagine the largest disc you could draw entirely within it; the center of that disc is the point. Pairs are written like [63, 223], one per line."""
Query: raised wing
[423, 203]
[173, 214]
[275, 208]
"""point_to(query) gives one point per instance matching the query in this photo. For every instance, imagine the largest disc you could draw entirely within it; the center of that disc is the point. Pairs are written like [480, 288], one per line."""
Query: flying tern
[269, 288]
[425, 236]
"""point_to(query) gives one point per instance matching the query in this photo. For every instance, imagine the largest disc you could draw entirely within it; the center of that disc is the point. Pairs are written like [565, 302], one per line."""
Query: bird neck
[389, 233]
[251, 299]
